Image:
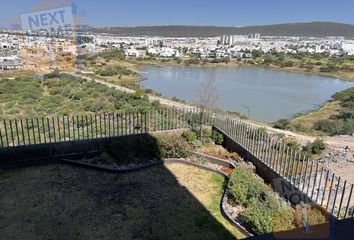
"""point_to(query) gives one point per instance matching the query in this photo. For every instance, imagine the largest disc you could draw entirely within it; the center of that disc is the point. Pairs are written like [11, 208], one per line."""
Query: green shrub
[318, 146]
[294, 145]
[336, 126]
[196, 144]
[257, 218]
[283, 218]
[190, 136]
[207, 135]
[132, 148]
[173, 146]
[217, 137]
[244, 186]
[282, 124]
[265, 211]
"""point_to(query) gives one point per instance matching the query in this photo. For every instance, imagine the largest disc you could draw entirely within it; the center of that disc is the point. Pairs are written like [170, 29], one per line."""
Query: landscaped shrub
[283, 218]
[190, 136]
[195, 144]
[244, 187]
[257, 218]
[131, 148]
[217, 137]
[173, 146]
[265, 211]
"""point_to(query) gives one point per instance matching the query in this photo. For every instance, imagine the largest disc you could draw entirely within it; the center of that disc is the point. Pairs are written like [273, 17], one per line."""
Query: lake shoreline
[338, 75]
[249, 80]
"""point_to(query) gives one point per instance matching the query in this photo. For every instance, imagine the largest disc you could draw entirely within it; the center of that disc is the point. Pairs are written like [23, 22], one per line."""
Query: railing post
[309, 181]
[319, 185]
[330, 191]
[64, 132]
[296, 177]
[349, 200]
[305, 174]
[50, 135]
[73, 127]
[341, 199]
[18, 137]
[293, 164]
[83, 127]
[110, 124]
[6, 134]
[277, 157]
[87, 127]
[2, 143]
[335, 196]
[28, 132]
[314, 182]
[12, 134]
[68, 126]
[104, 125]
[39, 132]
[33, 131]
[100, 117]
[22, 131]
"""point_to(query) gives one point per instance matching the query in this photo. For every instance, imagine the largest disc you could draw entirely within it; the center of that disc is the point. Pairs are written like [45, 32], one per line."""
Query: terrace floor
[171, 201]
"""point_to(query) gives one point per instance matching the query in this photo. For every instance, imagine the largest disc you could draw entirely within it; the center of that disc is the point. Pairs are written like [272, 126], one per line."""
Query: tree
[207, 97]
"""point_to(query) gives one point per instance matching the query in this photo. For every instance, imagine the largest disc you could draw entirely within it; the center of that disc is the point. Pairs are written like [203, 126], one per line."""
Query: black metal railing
[319, 183]
[311, 177]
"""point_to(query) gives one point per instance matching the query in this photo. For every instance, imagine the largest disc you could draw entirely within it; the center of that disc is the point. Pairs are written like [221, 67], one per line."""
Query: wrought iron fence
[24, 132]
[319, 183]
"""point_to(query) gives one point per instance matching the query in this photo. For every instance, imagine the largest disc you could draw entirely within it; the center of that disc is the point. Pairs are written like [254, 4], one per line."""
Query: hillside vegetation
[334, 118]
[313, 29]
[60, 94]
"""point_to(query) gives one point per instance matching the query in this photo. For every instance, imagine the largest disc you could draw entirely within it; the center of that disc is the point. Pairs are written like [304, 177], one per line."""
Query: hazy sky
[196, 12]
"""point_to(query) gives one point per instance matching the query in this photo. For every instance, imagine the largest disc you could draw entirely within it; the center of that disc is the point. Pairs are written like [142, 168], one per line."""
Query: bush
[190, 136]
[283, 218]
[294, 145]
[173, 146]
[245, 187]
[217, 137]
[318, 146]
[131, 148]
[265, 211]
[336, 126]
[257, 218]
[282, 124]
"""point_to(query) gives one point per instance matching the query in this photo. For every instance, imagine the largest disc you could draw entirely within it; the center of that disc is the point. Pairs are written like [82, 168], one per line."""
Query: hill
[311, 29]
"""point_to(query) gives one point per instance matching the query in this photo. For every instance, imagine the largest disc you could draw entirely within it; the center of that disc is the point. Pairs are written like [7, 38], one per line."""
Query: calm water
[269, 94]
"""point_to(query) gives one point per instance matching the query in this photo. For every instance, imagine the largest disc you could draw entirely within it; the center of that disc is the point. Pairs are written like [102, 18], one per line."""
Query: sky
[195, 12]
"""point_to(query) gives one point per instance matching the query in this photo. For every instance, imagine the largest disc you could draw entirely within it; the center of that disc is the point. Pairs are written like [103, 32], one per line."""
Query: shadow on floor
[59, 201]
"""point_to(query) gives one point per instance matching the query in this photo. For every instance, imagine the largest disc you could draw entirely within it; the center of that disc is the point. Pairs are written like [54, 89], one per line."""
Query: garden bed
[255, 207]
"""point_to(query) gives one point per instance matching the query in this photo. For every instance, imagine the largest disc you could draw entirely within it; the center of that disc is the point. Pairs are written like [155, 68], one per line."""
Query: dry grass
[65, 202]
[308, 120]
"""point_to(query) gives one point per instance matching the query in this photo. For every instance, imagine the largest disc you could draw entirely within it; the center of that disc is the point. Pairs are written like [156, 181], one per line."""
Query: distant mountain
[311, 29]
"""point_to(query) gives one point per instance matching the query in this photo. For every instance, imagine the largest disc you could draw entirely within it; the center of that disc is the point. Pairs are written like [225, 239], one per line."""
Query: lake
[268, 94]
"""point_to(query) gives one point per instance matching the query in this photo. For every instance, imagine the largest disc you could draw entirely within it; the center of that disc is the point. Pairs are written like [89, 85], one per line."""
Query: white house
[132, 53]
[10, 63]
